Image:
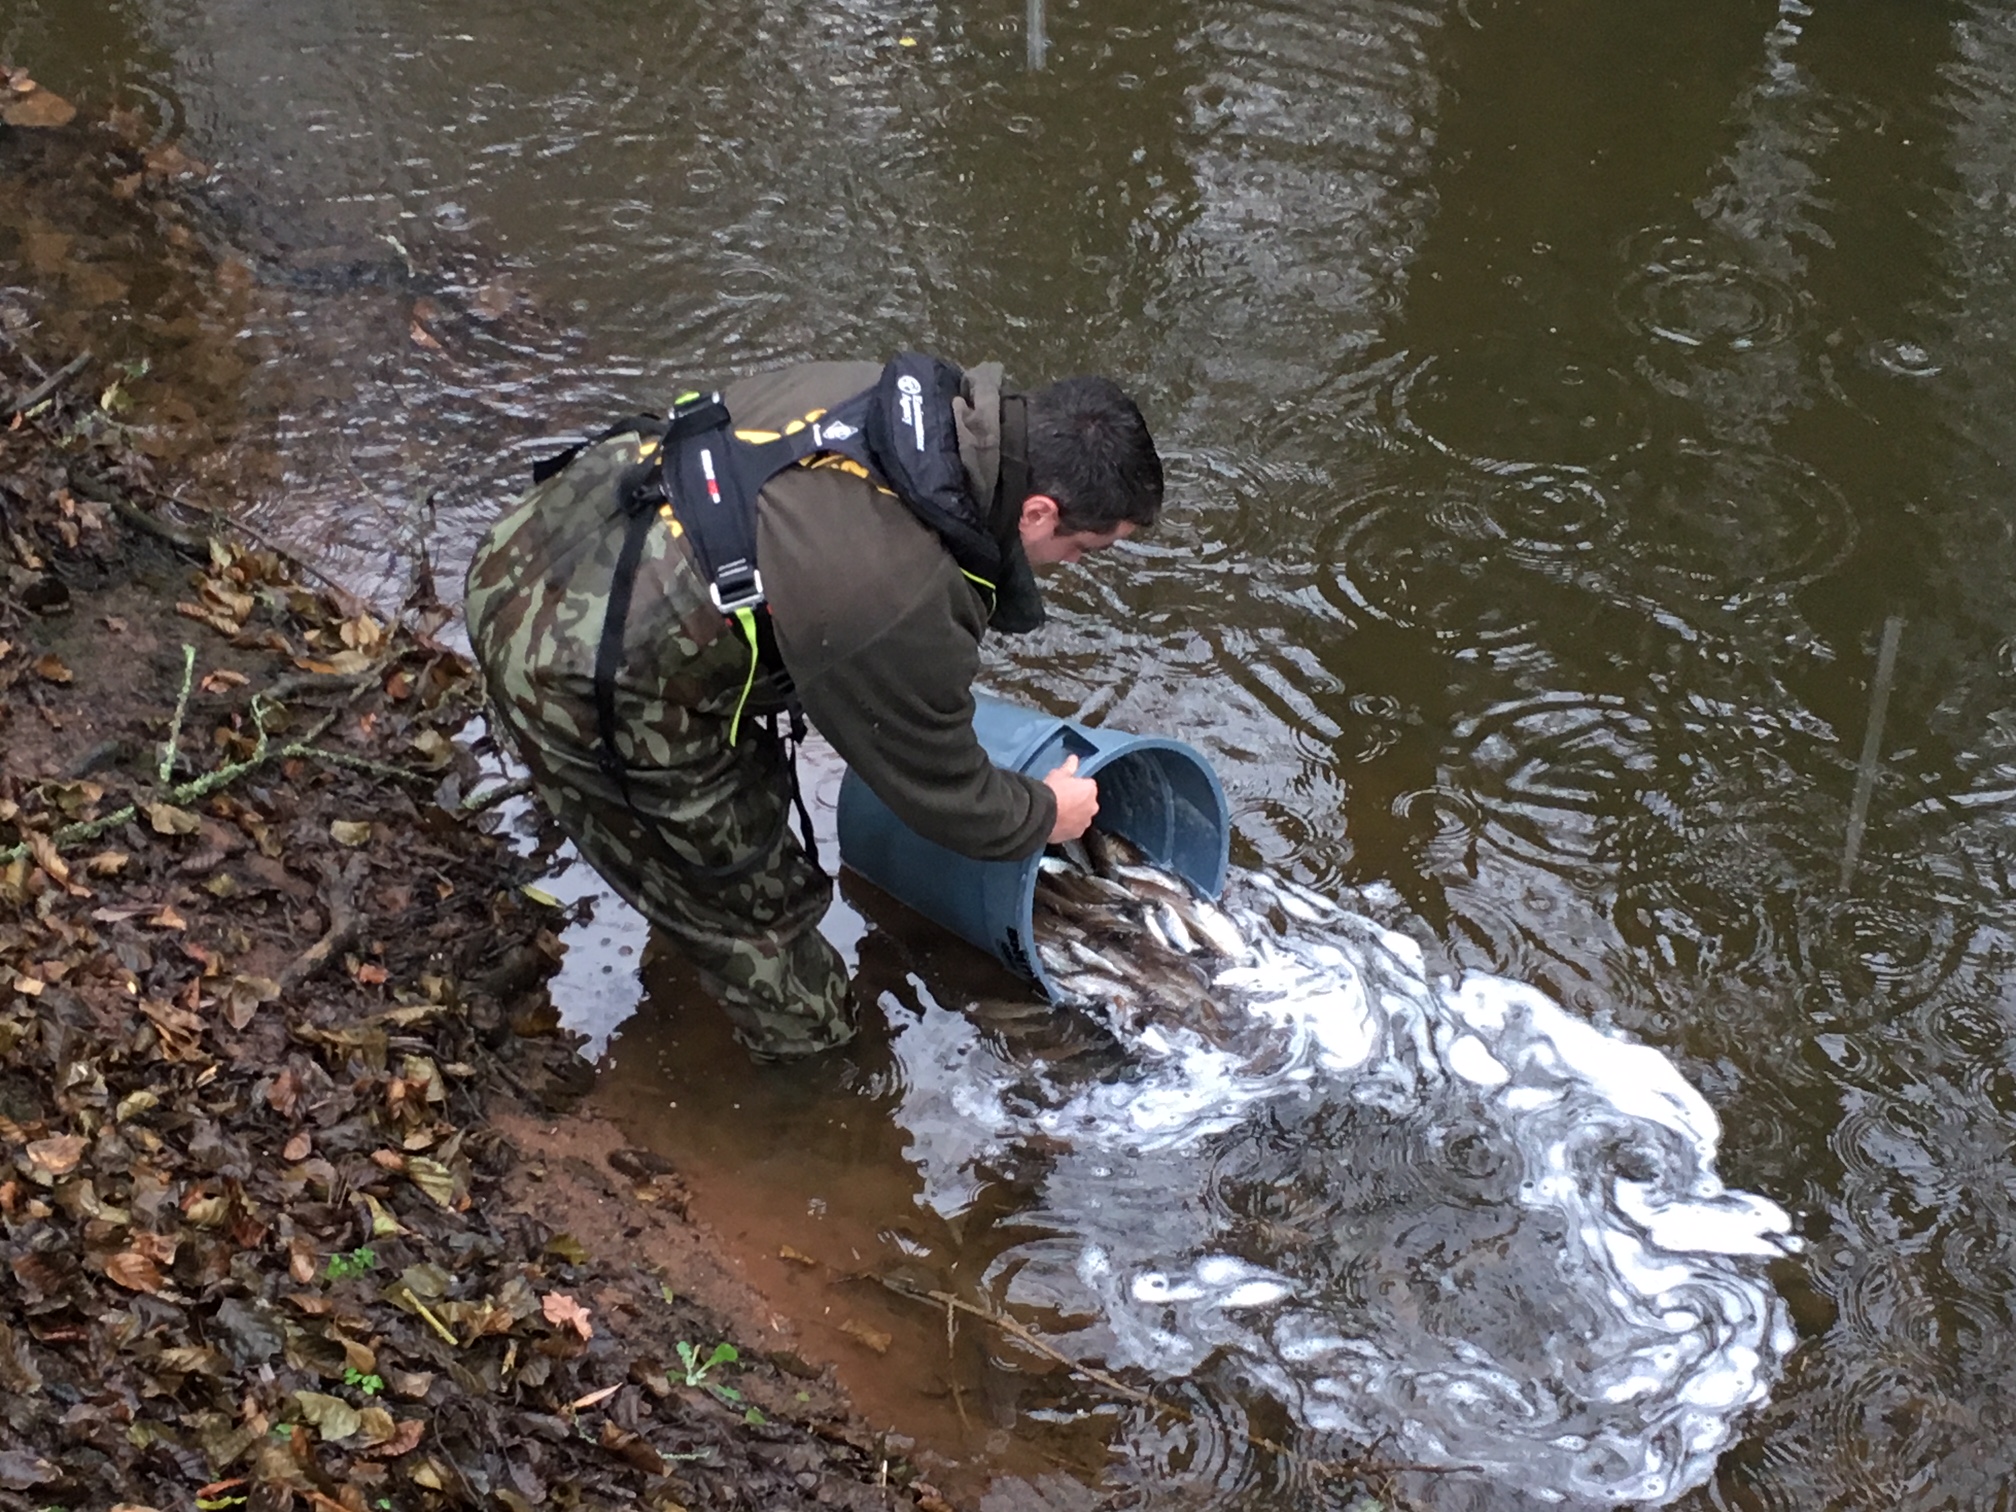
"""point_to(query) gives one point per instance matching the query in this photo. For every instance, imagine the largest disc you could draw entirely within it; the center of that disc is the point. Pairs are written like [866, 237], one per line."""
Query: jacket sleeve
[899, 709]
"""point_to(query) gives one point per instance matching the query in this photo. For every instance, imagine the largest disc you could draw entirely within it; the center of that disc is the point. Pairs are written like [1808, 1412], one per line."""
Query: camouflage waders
[697, 803]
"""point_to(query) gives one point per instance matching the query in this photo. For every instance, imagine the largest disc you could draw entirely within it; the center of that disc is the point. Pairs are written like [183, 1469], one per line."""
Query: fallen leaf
[22, 1468]
[405, 1438]
[438, 1182]
[581, 1403]
[874, 1338]
[383, 1224]
[372, 975]
[350, 832]
[243, 997]
[107, 863]
[562, 1311]
[59, 1155]
[166, 819]
[633, 1448]
[796, 1257]
[44, 851]
[297, 1148]
[134, 1271]
[51, 669]
[39, 111]
[167, 918]
[223, 678]
[333, 1417]
[343, 664]
[422, 338]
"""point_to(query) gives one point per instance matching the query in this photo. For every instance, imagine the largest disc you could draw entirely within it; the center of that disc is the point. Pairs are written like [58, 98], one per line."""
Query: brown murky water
[1561, 398]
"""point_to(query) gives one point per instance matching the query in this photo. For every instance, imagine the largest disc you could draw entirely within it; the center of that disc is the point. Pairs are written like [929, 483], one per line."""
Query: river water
[1568, 405]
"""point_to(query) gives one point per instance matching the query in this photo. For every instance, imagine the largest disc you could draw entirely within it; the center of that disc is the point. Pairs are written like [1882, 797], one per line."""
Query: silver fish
[1090, 987]
[1211, 924]
[1074, 852]
[1295, 907]
[1172, 929]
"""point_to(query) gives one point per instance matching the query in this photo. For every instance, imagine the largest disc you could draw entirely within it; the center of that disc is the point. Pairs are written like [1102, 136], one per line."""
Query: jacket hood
[993, 449]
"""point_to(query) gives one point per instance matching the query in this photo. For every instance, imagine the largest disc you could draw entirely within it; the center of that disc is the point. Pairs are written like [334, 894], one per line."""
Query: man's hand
[1077, 801]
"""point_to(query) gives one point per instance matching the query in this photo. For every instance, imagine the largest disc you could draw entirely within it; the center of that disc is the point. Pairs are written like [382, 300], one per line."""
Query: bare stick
[181, 712]
[477, 803]
[1872, 745]
[343, 923]
[50, 384]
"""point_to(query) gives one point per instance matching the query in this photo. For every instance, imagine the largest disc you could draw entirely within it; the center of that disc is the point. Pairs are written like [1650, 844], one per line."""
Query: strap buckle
[736, 587]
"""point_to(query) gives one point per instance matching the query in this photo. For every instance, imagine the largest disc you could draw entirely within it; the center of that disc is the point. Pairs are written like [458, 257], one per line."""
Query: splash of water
[1447, 1215]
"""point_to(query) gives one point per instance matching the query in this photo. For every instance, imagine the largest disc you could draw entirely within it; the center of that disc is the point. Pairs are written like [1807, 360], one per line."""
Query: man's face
[1046, 543]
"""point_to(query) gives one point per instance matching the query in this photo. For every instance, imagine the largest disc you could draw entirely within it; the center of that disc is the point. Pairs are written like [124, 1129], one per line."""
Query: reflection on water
[1559, 397]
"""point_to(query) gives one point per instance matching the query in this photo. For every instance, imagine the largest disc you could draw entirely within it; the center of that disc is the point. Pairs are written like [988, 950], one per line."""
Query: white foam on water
[1553, 1286]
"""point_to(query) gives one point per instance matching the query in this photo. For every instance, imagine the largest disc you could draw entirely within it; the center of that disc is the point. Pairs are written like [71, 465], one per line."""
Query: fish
[1089, 987]
[1171, 929]
[1074, 852]
[1214, 926]
[1296, 907]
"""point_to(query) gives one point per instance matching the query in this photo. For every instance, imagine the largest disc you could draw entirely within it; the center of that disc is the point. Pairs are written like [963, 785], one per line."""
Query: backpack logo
[912, 407]
[839, 430]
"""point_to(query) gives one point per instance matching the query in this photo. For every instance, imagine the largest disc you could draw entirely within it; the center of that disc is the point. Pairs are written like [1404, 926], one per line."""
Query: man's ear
[1039, 517]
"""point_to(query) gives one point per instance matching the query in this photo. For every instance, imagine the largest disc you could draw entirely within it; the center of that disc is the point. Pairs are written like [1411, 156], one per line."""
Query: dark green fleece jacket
[879, 629]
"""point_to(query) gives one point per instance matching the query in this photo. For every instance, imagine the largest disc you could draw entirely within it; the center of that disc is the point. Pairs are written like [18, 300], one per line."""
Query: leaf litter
[258, 984]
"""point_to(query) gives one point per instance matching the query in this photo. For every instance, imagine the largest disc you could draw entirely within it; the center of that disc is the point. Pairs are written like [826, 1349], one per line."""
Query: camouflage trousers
[695, 838]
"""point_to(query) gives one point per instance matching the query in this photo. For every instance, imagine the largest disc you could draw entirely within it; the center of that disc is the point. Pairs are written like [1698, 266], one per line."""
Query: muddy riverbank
[296, 1209]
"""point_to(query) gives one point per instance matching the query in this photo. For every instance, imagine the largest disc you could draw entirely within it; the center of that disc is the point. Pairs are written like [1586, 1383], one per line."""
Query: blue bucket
[1160, 794]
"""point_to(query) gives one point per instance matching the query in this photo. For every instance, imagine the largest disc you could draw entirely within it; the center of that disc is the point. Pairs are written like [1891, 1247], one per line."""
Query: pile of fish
[1443, 1215]
[1115, 931]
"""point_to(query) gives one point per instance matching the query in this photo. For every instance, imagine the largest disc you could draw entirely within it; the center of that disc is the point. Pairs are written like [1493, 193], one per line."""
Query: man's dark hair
[1089, 449]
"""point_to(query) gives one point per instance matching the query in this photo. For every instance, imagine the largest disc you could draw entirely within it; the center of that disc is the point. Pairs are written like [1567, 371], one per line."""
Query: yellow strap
[746, 618]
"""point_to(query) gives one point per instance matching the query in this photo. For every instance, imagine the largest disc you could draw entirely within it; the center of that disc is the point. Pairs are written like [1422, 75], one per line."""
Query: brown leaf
[50, 668]
[134, 1271]
[167, 918]
[562, 1311]
[107, 863]
[297, 1148]
[350, 832]
[874, 1338]
[222, 678]
[166, 819]
[796, 1257]
[632, 1448]
[39, 111]
[243, 997]
[44, 851]
[58, 1155]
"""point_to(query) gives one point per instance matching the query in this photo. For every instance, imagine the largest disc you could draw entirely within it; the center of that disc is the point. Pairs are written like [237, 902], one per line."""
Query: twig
[432, 1322]
[181, 712]
[952, 1364]
[360, 764]
[199, 787]
[477, 803]
[343, 922]
[133, 514]
[1872, 745]
[52, 383]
